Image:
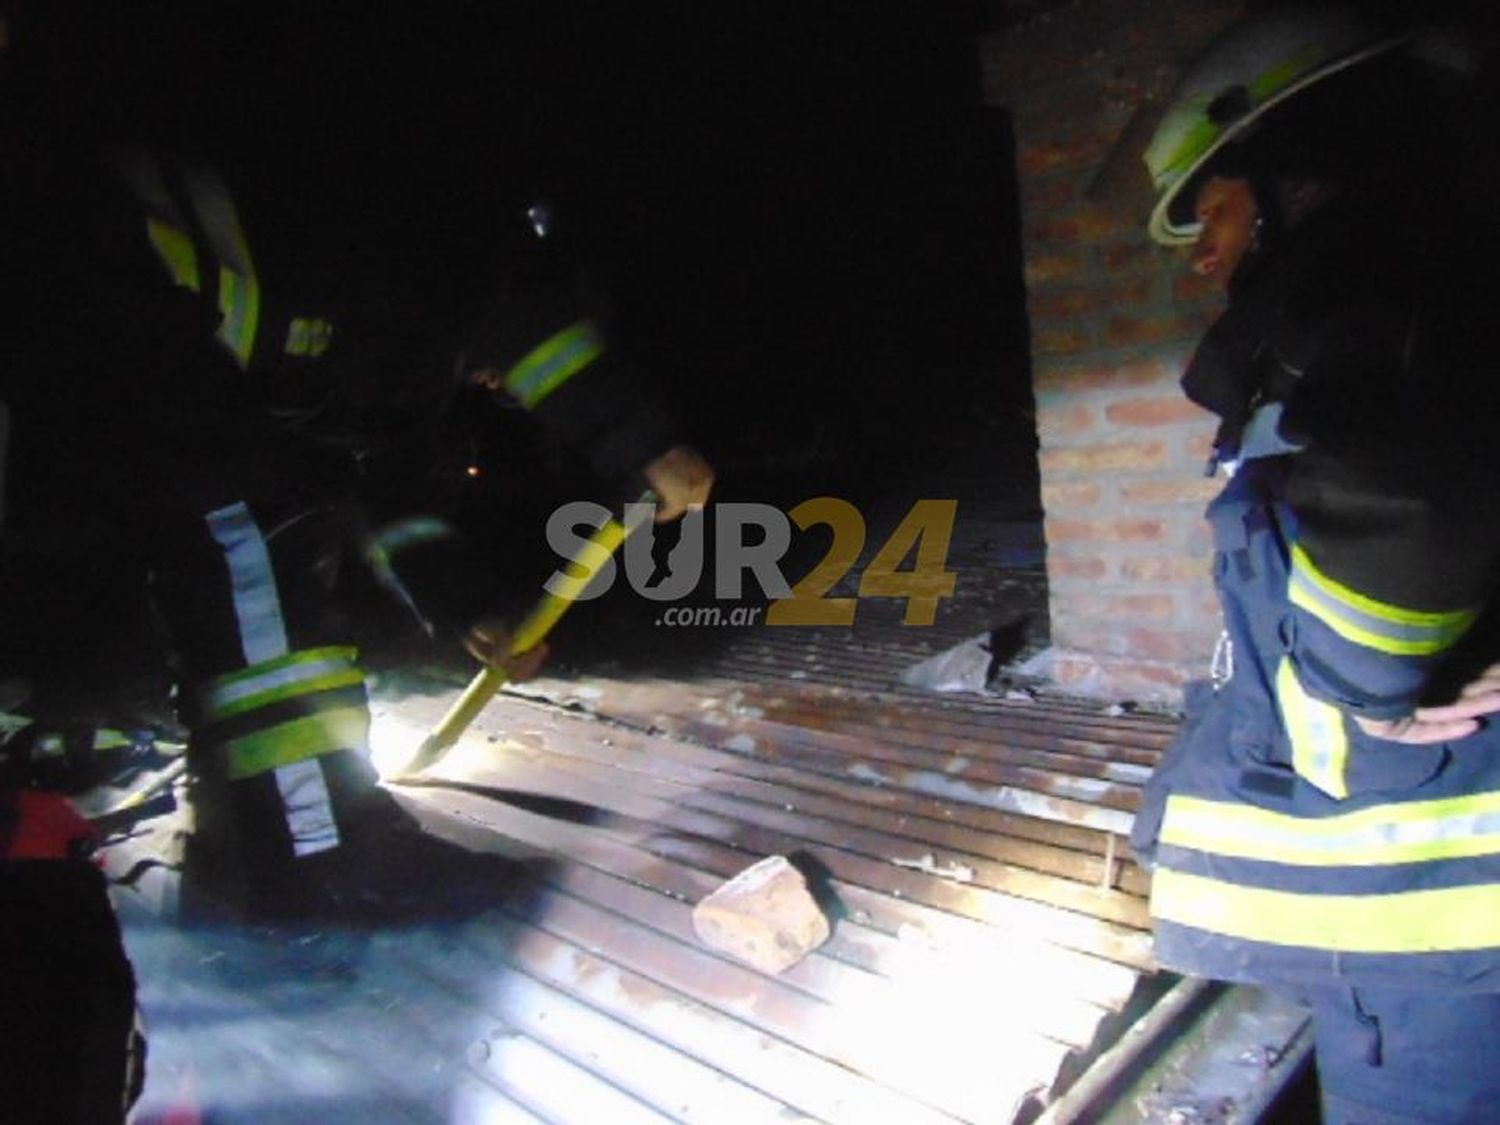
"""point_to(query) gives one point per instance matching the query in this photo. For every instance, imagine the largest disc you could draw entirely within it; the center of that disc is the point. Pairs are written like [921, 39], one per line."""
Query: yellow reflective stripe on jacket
[1320, 745]
[1423, 921]
[176, 252]
[239, 288]
[557, 360]
[1370, 623]
[348, 678]
[239, 295]
[239, 305]
[223, 694]
[341, 728]
[165, 226]
[1411, 832]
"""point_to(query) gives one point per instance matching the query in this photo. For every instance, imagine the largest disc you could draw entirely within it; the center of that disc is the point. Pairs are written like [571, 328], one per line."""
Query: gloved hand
[1447, 723]
[681, 479]
[489, 642]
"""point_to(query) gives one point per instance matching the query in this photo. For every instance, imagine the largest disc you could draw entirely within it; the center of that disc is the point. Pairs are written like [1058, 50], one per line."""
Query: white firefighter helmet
[1252, 67]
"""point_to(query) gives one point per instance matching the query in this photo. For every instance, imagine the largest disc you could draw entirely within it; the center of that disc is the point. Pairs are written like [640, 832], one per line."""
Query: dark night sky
[804, 209]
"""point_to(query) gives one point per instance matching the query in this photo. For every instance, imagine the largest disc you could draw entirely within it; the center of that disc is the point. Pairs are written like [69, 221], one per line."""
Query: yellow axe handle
[529, 633]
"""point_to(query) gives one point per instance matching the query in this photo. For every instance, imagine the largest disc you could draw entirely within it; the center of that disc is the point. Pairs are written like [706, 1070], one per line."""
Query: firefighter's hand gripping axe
[532, 630]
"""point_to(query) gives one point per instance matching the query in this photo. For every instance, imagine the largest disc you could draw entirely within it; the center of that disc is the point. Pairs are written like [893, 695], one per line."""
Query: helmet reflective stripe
[1423, 921]
[1320, 746]
[1373, 624]
[1417, 832]
[553, 363]
[1254, 66]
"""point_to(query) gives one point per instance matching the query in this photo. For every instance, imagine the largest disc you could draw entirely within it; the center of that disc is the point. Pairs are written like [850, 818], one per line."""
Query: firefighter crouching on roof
[1314, 827]
[134, 312]
[277, 708]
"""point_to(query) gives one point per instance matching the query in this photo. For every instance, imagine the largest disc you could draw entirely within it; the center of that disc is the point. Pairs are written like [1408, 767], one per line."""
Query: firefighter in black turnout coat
[1327, 819]
[139, 325]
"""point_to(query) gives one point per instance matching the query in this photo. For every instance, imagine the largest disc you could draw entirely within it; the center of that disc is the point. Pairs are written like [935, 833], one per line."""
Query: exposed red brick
[1091, 633]
[1197, 23]
[1139, 331]
[1092, 300]
[1090, 223]
[1019, 64]
[1196, 538]
[1099, 221]
[1060, 341]
[1192, 287]
[1078, 673]
[1127, 255]
[1068, 419]
[1043, 195]
[1105, 531]
[1055, 305]
[1196, 447]
[1053, 155]
[1196, 491]
[1157, 410]
[1120, 607]
[1069, 495]
[1052, 228]
[1087, 93]
[1129, 457]
[1064, 265]
[1120, 679]
[1075, 566]
[1144, 373]
[1174, 647]
[1098, 288]
[1175, 568]
[1144, 682]
[765, 916]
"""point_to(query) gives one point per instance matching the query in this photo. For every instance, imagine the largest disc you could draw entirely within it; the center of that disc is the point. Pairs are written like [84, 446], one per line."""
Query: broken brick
[764, 916]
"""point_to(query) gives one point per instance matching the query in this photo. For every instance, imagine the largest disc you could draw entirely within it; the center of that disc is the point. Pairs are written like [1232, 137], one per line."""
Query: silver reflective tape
[252, 582]
[309, 812]
[224, 694]
[304, 796]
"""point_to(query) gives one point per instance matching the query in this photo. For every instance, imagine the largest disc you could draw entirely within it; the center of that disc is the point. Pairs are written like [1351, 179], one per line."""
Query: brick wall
[1113, 319]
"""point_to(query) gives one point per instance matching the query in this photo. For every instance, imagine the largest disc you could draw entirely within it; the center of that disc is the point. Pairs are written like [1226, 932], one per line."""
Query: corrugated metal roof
[987, 920]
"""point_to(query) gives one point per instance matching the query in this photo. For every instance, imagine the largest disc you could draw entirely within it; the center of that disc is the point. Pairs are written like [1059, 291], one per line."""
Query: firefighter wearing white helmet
[1242, 80]
[1326, 821]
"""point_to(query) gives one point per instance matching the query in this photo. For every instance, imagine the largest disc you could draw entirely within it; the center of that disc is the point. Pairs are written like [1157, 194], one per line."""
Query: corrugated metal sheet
[987, 920]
